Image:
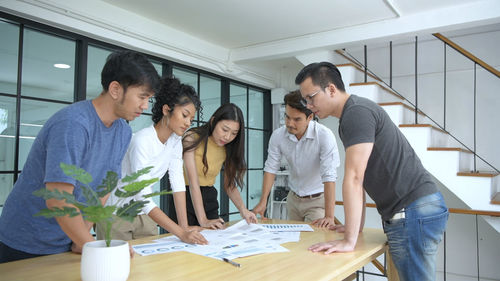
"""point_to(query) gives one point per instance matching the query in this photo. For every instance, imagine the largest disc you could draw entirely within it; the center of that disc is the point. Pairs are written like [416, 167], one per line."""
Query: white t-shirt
[146, 150]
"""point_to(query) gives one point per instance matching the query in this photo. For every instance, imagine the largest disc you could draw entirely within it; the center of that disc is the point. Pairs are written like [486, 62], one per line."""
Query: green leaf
[108, 184]
[93, 210]
[136, 175]
[97, 214]
[130, 210]
[57, 212]
[91, 196]
[158, 193]
[139, 185]
[77, 173]
[133, 188]
[56, 194]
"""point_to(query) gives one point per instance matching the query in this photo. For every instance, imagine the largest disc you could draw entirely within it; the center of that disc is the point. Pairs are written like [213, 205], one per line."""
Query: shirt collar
[309, 134]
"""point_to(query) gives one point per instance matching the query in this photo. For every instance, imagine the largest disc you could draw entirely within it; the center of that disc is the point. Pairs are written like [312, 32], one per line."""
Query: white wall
[459, 86]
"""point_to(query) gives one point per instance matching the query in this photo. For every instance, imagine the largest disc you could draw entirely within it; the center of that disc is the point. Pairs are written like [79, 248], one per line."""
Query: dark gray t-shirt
[394, 175]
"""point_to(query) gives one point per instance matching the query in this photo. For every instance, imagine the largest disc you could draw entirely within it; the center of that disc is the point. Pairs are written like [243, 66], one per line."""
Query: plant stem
[107, 236]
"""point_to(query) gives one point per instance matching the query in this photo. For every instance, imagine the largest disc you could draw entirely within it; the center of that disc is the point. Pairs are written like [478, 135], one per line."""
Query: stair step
[378, 84]
[359, 68]
[477, 174]
[421, 126]
[403, 104]
[340, 52]
[448, 149]
[496, 199]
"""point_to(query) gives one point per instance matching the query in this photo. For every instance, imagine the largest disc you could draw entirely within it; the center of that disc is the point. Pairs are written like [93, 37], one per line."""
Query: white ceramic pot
[105, 263]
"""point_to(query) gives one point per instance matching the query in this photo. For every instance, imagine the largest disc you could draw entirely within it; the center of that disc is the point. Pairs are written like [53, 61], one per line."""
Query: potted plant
[96, 265]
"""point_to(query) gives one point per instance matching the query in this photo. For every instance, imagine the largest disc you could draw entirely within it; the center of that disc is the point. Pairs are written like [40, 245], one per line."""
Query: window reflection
[186, 77]
[255, 178]
[7, 133]
[256, 114]
[40, 78]
[238, 96]
[256, 146]
[34, 114]
[243, 193]
[8, 57]
[96, 58]
[210, 93]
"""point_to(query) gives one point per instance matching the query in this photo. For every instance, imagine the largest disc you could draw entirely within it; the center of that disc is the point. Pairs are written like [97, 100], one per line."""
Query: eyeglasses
[309, 98]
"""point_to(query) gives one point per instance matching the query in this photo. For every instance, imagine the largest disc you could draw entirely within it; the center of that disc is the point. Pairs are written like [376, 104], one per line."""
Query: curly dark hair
[172, 92]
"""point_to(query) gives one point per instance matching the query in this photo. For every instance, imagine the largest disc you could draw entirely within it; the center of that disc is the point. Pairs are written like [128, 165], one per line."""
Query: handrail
[467, 54]
[356, 62]
[451, 210]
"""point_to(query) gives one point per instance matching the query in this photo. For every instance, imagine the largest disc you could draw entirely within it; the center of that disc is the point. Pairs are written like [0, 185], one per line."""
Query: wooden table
[298, 264]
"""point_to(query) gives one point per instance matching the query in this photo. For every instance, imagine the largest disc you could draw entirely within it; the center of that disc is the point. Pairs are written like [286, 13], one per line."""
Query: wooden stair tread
[347, 64]
[448, 149]
[496, 199]
[478, 174]
[401, 103]
[421, 126]
[378, 84]
[359, 68]
[340, 52]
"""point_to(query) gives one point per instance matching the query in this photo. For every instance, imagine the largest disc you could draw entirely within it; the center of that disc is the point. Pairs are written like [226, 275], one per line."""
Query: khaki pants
[305, 209]
[142, 226]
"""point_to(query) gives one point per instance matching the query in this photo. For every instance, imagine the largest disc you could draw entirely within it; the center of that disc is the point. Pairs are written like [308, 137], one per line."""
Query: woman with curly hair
[160, 146]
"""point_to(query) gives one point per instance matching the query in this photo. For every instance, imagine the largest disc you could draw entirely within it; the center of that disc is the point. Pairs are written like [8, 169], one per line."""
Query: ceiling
[237, 23]
[266, 37]
[260, 42]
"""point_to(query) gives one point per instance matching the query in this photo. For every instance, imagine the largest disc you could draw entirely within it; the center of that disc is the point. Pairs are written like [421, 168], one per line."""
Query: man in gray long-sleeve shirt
[311, 152]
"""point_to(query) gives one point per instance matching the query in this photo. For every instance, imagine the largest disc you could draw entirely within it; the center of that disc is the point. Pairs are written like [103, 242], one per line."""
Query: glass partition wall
[44, 69]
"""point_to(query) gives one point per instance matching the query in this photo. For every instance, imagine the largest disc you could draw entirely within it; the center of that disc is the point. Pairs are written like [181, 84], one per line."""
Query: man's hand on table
[325, 222]
[332, 246]
[260, 209]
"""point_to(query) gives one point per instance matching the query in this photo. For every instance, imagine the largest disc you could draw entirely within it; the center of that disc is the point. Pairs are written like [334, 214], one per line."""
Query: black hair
[172, 92]
[129, 69]
[294, 99]
[322, 74]
[234, 164]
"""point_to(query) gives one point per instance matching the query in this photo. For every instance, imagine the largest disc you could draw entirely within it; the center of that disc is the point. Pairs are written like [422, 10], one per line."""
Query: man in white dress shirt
[311, 152]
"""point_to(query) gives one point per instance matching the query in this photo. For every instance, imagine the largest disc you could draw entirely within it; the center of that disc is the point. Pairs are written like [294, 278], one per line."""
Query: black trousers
[8, 254]
[210, 202]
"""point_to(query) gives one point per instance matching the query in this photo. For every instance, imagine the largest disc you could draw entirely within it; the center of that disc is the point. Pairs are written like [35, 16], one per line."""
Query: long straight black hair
[234, 165]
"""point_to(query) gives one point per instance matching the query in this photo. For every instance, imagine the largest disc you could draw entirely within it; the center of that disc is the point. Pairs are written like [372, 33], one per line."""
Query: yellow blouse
[216, 155]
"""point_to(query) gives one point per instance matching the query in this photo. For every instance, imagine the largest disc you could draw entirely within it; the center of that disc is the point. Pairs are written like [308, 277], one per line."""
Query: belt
[399, 215]
[310, 196]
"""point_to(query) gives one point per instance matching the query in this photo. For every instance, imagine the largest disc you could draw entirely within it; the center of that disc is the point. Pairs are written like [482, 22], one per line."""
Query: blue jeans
[414, 239]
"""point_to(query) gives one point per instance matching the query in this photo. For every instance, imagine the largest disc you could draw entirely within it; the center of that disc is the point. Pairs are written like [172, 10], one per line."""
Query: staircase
[440, 154]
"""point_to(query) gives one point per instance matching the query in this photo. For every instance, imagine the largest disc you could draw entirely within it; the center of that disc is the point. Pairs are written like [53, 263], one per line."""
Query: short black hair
[321, 73]
[172, 92]
[129, 68]
[294, 99]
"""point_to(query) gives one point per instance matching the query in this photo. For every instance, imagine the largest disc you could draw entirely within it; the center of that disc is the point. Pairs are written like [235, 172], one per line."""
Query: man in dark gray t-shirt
[394, 176]
[380, 160]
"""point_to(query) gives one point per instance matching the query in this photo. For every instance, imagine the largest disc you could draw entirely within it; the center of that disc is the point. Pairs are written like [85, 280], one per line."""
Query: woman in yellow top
[221, 141]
